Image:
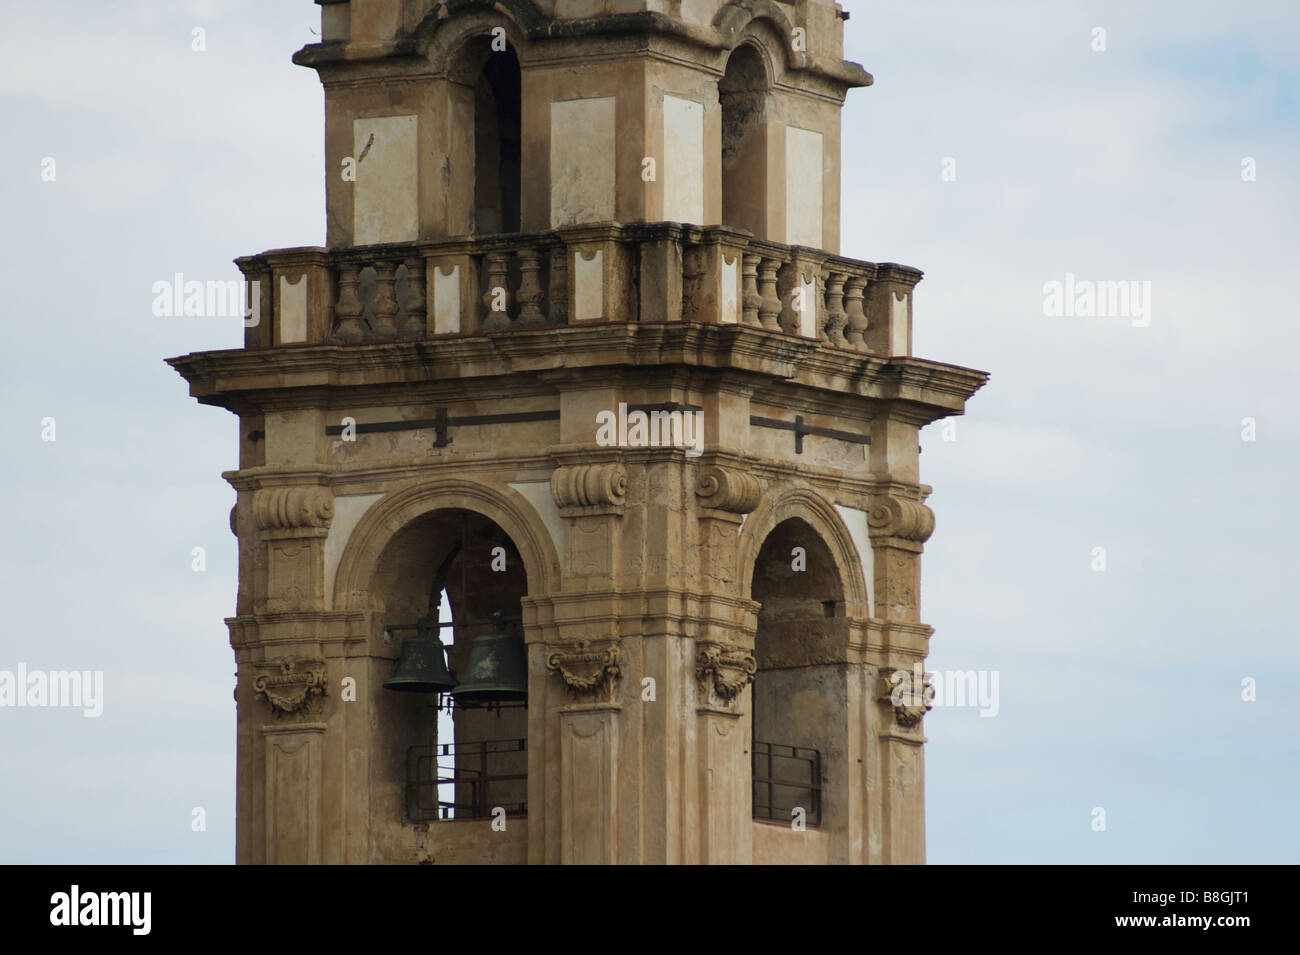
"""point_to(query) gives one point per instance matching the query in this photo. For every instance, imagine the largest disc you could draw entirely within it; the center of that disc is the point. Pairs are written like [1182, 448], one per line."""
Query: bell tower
[581, 364]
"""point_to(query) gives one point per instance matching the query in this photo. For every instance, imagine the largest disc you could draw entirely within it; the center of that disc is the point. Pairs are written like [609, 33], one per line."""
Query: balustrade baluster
[750, 300]
[413, 324]
[836, 318]
[384, 306]
[348, 308]
[496, 295]
[856, 327]
[769, 308]
[530, 288]
[559, 284]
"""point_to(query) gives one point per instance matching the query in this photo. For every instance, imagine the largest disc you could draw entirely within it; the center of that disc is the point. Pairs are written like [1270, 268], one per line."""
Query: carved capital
[290, 508]
[900, 690]
[728, 489]
[290, 686]
[724, 670]
[587, 670]
[587, 485]
[898, 517]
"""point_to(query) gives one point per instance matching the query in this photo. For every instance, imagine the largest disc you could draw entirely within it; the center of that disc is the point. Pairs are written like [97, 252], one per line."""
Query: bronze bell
[497, 670]
[422, 666]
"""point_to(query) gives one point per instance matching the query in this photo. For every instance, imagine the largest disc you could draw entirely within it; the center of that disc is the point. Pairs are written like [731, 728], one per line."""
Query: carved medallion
[290, 686]
[724, 670]
[587, 671]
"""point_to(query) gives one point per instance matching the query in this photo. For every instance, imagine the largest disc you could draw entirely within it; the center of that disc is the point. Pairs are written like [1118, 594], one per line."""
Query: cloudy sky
[999, 150]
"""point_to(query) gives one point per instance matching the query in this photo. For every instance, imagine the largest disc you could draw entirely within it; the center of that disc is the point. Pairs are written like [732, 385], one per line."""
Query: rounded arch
[807, 505]
[755, 60]
[462, 41]
[763, 23]
[744, 98]
[397, 509]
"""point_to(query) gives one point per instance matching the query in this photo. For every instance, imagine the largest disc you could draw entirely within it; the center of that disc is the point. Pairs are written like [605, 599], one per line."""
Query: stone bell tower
[581, 350]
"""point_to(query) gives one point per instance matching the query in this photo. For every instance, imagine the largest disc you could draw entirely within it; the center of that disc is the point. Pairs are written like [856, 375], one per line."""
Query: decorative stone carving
[290, 686]
[898, 517]
[586, 670]
[286, 508]
[586, 485]
[729, 489]
[909, 702]
[724, 669]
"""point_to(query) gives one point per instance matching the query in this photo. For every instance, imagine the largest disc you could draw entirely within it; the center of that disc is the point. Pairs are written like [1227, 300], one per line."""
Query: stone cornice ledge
[218, 377]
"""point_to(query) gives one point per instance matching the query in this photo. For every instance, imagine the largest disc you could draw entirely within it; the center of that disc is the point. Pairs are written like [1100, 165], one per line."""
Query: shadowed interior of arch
[459, 764]
[743, 95]
[497, 144]
[798, 689]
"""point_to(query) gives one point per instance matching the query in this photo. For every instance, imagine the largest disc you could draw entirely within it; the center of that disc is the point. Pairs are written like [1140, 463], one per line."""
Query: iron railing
[448, 781]
[787, 778]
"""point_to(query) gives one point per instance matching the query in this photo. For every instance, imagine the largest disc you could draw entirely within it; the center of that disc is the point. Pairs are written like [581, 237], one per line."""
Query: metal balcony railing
[787, 778]
[466, 780]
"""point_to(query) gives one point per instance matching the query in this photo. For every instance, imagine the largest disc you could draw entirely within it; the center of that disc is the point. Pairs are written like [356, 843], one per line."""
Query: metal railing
[467, 780]
[787, 778]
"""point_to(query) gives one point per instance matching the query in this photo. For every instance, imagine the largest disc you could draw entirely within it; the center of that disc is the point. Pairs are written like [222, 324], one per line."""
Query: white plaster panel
[803, 187]
[808, 307]
[588, 286]
[856, 522]
[293, 309]
[446, 300]
[582, 161]
[683, 164]
[385, 201]
[898, 336]
[730, 310]
[538, 494]
[348, 511]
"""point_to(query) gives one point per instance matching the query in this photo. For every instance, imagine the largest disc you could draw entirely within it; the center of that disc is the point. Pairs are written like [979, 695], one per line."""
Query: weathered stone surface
[681, 457]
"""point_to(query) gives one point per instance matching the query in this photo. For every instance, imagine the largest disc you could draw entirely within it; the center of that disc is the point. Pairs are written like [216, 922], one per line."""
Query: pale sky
[1119, 689]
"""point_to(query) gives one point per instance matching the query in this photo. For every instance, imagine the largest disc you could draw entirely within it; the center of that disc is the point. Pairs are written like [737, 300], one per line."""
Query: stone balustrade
[660, 272]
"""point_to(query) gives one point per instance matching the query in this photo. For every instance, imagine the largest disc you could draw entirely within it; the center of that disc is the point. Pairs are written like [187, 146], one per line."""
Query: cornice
[240, 377]
[330, 58]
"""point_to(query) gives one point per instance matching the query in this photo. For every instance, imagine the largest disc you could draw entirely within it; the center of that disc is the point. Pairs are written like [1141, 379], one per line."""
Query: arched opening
[460, 760]
[743, 95]
[497, 143]
[798, 692]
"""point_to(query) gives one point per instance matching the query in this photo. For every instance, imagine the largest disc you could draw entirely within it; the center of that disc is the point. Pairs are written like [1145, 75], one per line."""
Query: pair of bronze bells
[497, 670]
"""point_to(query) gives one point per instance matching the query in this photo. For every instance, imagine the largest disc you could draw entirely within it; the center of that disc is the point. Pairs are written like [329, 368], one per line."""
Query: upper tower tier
[471, 117]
